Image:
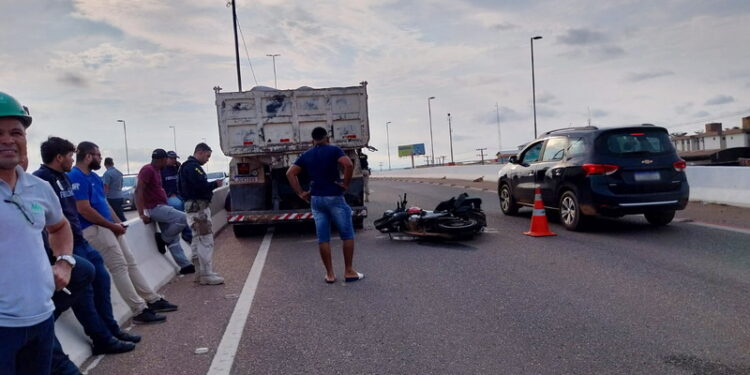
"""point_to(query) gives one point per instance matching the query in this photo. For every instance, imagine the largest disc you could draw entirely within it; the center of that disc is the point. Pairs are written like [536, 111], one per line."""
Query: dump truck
[264, 130]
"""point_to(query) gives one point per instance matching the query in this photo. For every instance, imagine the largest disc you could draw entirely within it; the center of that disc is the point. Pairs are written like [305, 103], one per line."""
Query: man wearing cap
[104, 231]
[326, 197]
[169, 176]
[197, 191]
[29, 205]
[113, 188]
[152, 205]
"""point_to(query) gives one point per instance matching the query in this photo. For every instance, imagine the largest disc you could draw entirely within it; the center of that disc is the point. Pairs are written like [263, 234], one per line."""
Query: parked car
[587, 171]
[213, 176]
[128, 191]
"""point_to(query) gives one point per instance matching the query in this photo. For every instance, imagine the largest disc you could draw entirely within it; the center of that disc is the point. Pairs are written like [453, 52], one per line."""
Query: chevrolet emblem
[646, 161]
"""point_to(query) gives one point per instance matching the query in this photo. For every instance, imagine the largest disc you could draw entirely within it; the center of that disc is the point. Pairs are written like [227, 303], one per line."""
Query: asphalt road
[622, 298]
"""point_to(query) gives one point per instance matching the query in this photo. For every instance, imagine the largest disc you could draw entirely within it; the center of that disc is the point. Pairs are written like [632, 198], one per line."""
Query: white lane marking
[722, 227]
[93, 364]
[227, 350]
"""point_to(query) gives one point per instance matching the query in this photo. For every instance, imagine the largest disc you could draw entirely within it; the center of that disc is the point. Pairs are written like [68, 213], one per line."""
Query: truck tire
[244, 230]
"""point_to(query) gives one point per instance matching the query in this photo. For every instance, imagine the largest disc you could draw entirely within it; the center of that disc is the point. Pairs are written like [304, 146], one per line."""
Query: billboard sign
[411, 150]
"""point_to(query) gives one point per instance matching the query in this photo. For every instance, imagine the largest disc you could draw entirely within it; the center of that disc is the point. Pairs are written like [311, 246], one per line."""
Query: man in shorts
[326, 197]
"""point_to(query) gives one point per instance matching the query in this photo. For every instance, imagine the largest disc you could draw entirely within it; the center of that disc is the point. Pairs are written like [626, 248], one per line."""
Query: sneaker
[148, 316]
[113, 346]
[187, 270]
[160, 244]
[162, 305]
[212, 279]
[124, 336]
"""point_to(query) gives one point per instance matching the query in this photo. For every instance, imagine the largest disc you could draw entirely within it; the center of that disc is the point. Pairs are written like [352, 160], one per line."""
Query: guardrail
[723, 185]
[157, 268]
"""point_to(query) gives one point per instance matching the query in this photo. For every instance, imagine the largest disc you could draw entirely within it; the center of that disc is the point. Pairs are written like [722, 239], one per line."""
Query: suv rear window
[634, 141]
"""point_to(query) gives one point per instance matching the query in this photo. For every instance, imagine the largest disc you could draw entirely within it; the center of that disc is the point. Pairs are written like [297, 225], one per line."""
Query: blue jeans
[116, 204]
[93, 307]
[178, 204]
[334, 208]
[27, 350]
[172, 223]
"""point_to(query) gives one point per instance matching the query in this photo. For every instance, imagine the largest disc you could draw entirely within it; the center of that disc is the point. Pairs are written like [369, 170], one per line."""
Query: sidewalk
[716, 214]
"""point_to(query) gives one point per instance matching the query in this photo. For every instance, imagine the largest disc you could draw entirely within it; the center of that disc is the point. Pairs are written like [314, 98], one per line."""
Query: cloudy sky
[83, 64]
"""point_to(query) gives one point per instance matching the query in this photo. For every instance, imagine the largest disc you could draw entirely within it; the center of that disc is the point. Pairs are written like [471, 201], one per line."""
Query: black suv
[589, 171]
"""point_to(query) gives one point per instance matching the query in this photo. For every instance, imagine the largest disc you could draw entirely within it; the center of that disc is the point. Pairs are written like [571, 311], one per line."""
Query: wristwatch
[67, 258]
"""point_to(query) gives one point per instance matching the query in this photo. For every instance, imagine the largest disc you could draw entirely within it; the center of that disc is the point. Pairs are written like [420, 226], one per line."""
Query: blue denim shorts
[327, 209]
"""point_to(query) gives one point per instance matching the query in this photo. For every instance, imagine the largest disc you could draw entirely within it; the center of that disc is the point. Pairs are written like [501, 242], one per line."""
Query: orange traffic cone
[539, 226]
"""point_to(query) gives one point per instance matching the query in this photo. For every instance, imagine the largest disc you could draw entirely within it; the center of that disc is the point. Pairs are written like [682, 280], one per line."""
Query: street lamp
[273, 56]
[432, 145]
[533, 83]
[174, 137]
[499, 139]
[388, 144]
[450, 135]
[127, 159]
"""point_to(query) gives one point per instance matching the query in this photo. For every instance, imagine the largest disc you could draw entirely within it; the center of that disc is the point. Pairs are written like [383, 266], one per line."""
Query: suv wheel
[507, 204]
[659, 218]
[570, 212]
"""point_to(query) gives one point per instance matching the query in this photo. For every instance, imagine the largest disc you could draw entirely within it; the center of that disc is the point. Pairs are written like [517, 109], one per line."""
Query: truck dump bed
[265, 120]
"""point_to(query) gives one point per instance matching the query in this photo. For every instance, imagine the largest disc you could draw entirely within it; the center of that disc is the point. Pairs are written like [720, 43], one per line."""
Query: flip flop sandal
[360, 276]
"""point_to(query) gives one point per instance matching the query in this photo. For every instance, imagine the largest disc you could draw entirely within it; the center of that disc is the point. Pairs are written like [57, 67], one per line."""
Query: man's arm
[346, 163]
[90, 214]
[61, 242]
[291, 175]
[139, 187]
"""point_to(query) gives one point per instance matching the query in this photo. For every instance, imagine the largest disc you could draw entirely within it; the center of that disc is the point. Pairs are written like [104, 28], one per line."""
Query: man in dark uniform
[197, 192]
[169, 176]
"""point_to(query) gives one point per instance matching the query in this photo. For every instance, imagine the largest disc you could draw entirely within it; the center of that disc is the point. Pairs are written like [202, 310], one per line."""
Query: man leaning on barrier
[151, 200]
[106, 233]
[197, 192]
[29, 205]
[93, 306]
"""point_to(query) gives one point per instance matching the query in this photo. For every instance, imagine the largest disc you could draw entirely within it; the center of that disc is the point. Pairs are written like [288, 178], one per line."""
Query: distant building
[715, 145]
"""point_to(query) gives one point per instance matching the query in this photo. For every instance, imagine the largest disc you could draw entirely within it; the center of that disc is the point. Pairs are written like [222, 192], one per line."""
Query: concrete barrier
[723, 185]
[157, 268]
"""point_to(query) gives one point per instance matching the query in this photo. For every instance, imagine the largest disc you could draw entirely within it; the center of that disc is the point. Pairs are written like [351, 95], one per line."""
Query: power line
[246, 52]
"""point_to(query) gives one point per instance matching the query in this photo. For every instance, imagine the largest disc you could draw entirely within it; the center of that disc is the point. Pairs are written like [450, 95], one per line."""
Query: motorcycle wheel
[457, 225]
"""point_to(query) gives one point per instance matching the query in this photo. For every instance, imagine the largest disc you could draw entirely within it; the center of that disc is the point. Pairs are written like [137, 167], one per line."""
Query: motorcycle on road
[458, 217]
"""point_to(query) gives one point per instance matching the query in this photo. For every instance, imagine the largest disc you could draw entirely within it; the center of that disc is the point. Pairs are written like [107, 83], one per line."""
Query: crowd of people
[62, 242]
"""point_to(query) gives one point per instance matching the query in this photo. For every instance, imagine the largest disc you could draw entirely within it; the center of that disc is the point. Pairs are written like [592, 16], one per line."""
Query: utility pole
[450, 134]
[236, 46]
[481, 153]
[499, 140]
[381, 166]
[533, 81]
[174, 137]
[127, 158]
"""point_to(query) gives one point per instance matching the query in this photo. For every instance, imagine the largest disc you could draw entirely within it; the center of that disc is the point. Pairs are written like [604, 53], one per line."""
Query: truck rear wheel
[245, 230]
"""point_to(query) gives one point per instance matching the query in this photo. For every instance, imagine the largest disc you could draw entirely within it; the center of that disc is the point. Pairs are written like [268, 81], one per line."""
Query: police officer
[197, 192]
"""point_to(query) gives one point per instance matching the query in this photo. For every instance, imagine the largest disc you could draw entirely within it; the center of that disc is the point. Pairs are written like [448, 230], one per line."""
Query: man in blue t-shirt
[326, 197]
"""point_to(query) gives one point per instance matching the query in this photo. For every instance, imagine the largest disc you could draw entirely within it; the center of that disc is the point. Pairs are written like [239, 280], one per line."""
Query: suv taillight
[679, 165]
[593, 169]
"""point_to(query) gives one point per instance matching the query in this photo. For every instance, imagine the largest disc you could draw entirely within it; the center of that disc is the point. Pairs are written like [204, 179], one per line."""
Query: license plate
[647, 176]
[245, 180]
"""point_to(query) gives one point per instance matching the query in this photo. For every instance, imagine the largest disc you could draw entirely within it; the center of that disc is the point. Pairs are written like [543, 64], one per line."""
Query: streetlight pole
[499, 139]
[127, 159]
[388, 144]
[174, 137]
[450, 134]
[432, 145]
[533, 82]
[273, 56]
